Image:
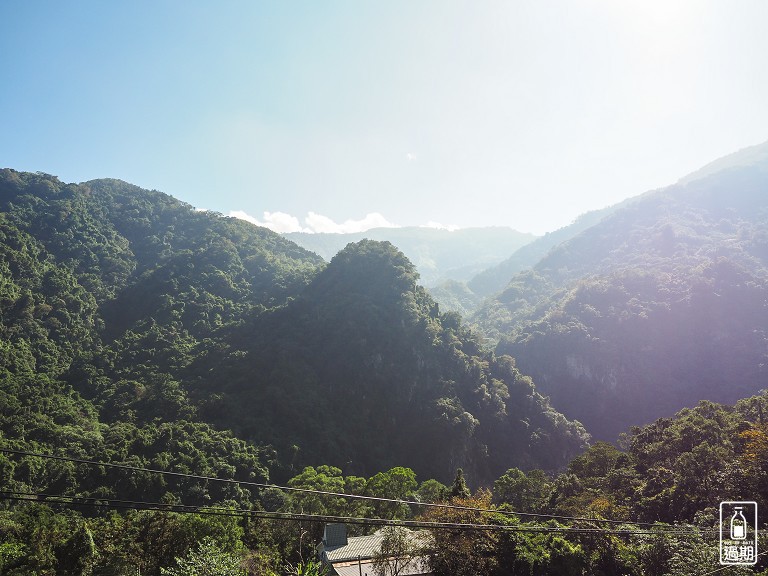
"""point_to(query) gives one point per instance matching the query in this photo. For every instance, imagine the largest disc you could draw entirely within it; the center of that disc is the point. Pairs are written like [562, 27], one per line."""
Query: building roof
[356, 557]
[417, 567]
[364, 547]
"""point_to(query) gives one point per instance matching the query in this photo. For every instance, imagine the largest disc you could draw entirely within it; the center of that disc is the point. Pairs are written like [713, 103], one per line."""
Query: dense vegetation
[495, 278]
[663, 489]
[137, 330]
[660, 305]
[364, 354]
[154, 312]
[672, 475]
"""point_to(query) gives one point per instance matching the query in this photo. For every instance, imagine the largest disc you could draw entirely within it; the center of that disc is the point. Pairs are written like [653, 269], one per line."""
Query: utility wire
[75, 501]
[323, 492]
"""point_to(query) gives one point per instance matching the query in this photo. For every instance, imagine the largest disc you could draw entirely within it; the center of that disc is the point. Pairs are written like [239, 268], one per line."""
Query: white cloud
[320, 223]
[277, 221]
[314, 223]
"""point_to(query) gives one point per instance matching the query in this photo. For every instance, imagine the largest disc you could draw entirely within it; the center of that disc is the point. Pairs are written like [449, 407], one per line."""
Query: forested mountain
[439, 255]
[371, 375]
[467, 297]
[107, 275]
[495, 278]
[136, 330]
[139, 312]
[661, 304]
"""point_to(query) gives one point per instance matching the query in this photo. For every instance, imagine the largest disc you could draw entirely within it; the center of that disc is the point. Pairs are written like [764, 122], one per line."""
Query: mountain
[129, 321]
[107, 275]
[495, 278]
[438, 254]
[136, 330]
[750, 156]
[372, 375]
[659, 305]
[467, 298]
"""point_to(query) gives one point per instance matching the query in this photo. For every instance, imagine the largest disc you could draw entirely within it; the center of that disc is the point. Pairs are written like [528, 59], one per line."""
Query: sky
[343, 115]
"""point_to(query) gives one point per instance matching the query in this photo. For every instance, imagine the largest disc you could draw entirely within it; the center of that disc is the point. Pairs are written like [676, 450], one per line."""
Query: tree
[524, 492]
[77, 555]
[308, 568]
[459, 488]
[206, 560]
[400, 549]
[432, 491]
[459, 552]
[395, 484]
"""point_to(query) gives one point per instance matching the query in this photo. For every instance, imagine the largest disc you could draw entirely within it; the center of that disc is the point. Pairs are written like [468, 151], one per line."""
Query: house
[354, 556]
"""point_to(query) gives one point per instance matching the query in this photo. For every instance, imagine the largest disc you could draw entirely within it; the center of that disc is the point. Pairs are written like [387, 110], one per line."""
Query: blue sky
[337, 115]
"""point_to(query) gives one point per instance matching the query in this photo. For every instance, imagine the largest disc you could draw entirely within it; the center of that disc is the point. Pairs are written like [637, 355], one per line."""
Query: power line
[75, 501]
[111, 503]
[324, 492]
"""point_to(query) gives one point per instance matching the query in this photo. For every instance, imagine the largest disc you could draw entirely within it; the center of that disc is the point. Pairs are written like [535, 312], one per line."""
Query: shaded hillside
[495, 278]
[456, 297]
[438, 254]
[469, 298]
[135, 313]
[675, 469]
[658, 306]
[370, 375]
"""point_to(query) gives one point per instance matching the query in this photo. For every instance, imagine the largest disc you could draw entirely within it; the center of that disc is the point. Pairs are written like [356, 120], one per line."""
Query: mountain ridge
[151, 312]
[438, 254]
[619, 324]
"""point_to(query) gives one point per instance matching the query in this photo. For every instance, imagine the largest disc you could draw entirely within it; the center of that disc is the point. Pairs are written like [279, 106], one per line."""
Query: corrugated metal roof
[357, 547]
[366, 547]
[414, 568]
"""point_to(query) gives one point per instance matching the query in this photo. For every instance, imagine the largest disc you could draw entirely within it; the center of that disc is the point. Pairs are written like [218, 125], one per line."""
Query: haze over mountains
[659, 305]
[136, 329]
[438, 254]
[641, 308]
[628, 314]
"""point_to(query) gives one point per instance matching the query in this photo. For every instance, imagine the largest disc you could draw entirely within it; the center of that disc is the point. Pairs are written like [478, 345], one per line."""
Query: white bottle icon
[738, 525]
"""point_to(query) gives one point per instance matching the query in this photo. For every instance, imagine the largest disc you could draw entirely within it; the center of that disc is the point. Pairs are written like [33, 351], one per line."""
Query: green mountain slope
[141, 314]
[71, 257]
[495, 278]
[370, 375]
[658, 306]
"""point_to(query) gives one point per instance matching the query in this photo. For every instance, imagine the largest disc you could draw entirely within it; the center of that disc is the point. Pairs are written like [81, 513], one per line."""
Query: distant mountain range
[439, 255]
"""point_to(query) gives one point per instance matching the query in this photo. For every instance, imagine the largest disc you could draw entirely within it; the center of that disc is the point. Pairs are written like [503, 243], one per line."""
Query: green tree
[432, 491]
[396, 484]
[308, 568]
[78, 554]
[206, 560]
[459, 552]
[459, 488]
[400, 551]
[524, 492]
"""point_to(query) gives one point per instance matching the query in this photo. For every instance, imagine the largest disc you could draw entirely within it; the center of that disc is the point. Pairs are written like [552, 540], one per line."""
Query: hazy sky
[316, 113]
